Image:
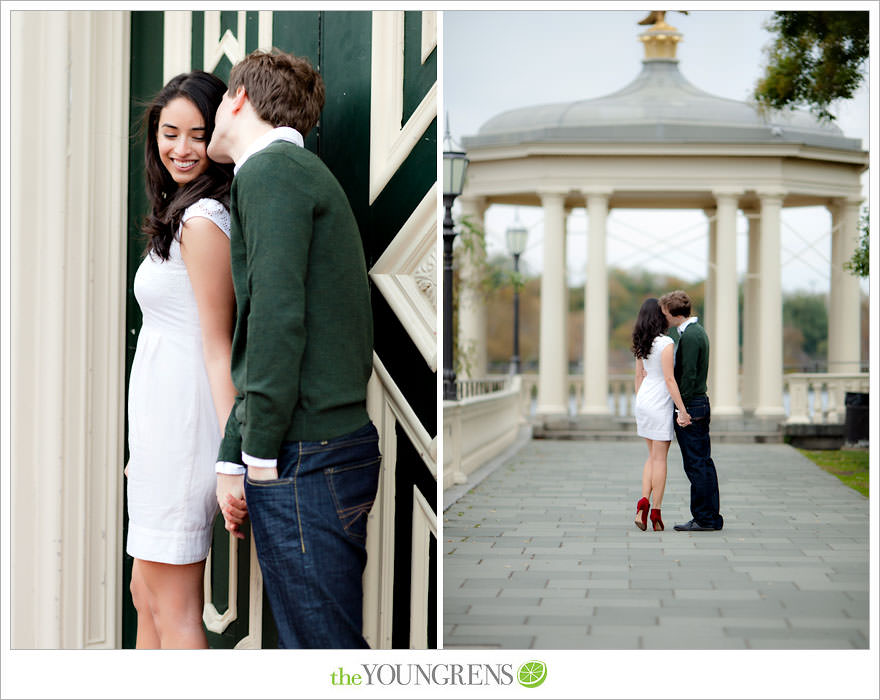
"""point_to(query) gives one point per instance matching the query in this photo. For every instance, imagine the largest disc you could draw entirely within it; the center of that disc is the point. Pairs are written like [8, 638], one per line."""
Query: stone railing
[810, 398]
[469, 388]
[479, 427]
[819, 398]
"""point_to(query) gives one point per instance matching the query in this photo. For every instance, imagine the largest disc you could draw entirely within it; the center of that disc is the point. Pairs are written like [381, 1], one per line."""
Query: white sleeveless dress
[653, 403]
[173, 433]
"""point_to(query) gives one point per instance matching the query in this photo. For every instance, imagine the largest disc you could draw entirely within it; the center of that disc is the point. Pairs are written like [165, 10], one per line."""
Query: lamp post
[454, 167]
[517, 236]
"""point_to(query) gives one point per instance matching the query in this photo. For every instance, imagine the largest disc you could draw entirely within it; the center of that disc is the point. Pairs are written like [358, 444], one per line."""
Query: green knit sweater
[302, 349]
[691, 361]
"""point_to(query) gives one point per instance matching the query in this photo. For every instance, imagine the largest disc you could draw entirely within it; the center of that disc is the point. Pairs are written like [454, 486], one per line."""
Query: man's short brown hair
[677, 303]
[285, 90]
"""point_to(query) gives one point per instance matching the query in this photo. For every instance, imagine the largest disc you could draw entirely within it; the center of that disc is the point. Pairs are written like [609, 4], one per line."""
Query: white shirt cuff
[258, 461]
[229, 468]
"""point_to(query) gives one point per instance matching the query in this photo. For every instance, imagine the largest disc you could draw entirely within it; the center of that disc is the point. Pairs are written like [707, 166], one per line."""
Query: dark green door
[340, 44]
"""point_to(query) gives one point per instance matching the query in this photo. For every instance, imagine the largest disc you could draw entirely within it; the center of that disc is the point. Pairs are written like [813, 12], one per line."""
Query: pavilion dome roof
[659, 106]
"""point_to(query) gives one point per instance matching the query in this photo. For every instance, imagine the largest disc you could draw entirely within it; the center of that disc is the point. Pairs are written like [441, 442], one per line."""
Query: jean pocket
[698, 411]
[353, 487]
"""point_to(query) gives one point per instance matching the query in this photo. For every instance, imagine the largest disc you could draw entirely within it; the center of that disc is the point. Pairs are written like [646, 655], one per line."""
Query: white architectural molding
[429, 33]
[177, 45]
[769, 316]
[424, 527]
[477, 429]
[595, 352]
[69, 101]
[472, 339]
[391, 141]
[725, 354]
[751, 350]
[254, 637]
[387, 408]
[230, 45]
[552, 353]
[406, 275]
[844, 317]
[378, 579]
[214, 621]
[233, 46]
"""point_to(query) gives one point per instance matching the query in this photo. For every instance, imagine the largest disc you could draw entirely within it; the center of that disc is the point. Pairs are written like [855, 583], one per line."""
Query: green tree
[807, 313]
[860, 262]
[816, 59]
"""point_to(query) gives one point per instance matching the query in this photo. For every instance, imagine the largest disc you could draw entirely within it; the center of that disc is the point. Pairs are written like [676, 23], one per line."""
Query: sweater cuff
[229, 468]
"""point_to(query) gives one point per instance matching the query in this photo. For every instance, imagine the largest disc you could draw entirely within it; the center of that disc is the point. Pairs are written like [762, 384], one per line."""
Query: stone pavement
[543, 554]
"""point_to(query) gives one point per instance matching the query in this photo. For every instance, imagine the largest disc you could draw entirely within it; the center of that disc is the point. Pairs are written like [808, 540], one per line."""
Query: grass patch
[850, 466]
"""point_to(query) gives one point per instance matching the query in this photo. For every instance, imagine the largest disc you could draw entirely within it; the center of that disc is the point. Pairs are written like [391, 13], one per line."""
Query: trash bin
[856, 422]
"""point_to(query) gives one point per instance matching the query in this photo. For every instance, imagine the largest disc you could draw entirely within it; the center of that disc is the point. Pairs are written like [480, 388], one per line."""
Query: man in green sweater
[301, 358]
[691, 370]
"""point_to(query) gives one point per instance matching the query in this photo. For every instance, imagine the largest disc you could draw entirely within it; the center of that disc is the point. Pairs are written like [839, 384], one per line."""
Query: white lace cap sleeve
[209, 209]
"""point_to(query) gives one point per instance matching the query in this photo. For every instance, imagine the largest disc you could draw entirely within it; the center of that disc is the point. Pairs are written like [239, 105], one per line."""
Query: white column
[770, 308]
[596, 308]
[751, 342]
[69, 118]
[471, 304]
[710, 313]
[552, 366]
[844, 313]
[724, 347]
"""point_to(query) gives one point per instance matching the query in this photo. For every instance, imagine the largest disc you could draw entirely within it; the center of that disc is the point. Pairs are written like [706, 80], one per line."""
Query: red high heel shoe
[642, 514]
[656, 520]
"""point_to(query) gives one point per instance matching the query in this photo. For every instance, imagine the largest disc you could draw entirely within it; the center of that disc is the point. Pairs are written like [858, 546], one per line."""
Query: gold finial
[660, 38]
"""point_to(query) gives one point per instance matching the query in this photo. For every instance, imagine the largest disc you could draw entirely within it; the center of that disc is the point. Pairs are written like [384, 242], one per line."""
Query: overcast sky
[495, 61]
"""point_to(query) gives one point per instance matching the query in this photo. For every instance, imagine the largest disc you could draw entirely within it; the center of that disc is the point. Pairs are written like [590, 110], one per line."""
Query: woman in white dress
[656, 392]
[180, 391]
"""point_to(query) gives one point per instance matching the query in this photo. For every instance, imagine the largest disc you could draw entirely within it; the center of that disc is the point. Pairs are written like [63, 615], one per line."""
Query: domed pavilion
[660, 142]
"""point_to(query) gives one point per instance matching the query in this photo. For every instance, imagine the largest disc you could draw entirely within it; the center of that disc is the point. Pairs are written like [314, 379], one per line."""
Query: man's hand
[262, 473]
[684, 419]
[230, 497]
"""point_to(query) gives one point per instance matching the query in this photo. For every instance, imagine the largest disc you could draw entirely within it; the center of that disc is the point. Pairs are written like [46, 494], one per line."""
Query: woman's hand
[684, 418]
[230, 498]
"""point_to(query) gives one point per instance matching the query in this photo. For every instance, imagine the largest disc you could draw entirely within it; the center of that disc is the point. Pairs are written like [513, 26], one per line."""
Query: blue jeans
[310, 529]
[696, 453]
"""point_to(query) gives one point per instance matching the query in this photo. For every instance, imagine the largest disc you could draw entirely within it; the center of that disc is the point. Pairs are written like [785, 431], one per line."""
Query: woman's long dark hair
[649, 324]
[167, 200]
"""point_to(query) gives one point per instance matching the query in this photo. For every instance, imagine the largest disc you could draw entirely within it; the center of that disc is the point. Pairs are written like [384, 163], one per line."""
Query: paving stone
[556, 546]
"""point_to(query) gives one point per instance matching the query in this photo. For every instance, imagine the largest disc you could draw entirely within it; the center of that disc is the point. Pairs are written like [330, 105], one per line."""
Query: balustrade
[816, 398]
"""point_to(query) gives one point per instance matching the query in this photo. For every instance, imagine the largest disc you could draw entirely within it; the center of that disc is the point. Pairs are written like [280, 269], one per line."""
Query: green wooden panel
[417, 77]
[345, 121]
[299, 33]
[339, 44]
[197, 55]
[145, 76]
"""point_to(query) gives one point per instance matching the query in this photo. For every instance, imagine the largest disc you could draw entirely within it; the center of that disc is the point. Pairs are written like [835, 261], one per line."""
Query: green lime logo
[532, 673]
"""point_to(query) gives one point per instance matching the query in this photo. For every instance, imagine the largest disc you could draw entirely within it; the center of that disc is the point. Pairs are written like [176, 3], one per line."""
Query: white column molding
[710, 313]
[751, 342]
[770, 307]
[596, 308]
[552, 369]
[69, 102]
[844, 313]
[391, 140]
[177, 43]
[724, 346]
[472, 342]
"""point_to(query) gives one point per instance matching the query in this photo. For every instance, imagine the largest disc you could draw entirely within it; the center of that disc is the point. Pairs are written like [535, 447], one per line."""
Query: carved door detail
[378, 134]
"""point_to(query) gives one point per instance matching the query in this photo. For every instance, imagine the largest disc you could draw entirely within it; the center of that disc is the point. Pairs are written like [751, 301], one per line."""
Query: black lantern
[454, 168]
[517, 237]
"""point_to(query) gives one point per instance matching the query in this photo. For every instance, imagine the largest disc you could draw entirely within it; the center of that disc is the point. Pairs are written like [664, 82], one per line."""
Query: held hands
[230, 497]
[683, 419]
